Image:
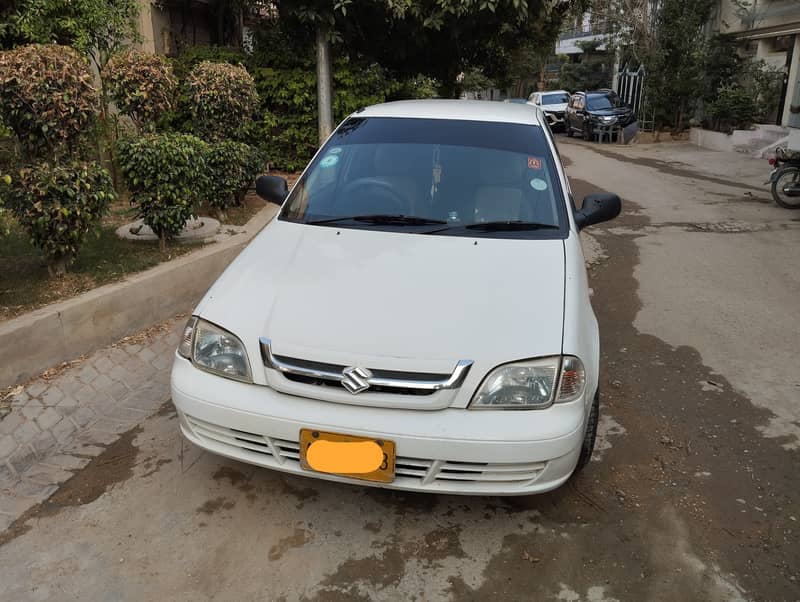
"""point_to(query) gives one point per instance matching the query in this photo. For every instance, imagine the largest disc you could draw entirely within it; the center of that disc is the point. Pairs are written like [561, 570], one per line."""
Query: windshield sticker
[534, 163]
[335, 150]
[329, 161]
[538, 184]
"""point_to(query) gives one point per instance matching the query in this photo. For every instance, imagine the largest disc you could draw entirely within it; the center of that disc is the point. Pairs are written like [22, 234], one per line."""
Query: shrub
[5, 181]
[223, 99]
[165, 174]
[289, 100]
[46, 97]
[733, 108]
[141, 85]
[191, 56]
[231, 168]
[58, 205]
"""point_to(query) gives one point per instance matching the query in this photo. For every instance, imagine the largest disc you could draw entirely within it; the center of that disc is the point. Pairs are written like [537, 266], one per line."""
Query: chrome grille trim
[420, 472]
[333, 372]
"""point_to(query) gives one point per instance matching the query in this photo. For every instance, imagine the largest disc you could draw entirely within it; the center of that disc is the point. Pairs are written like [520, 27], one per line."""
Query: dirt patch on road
[114, 465]
[215, 505]
[673, 168]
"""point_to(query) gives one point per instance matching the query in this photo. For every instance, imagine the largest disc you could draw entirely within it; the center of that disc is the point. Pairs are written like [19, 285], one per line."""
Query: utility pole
[324, 92]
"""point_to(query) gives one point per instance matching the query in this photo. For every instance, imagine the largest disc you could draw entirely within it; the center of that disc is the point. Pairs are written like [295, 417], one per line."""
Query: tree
[675, 59]
[666, 36]
[223, 98]
[141, 85]
[46, 98]
[591, 73]
[437, 38]
[96, 27]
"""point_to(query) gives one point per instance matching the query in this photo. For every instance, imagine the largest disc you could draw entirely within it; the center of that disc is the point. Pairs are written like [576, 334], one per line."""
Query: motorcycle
[785, 178]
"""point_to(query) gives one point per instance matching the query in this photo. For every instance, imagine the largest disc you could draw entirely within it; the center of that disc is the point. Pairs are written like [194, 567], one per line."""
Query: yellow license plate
[347, 455]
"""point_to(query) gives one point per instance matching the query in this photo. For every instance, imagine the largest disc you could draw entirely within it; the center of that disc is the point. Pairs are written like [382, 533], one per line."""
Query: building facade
[771, 28]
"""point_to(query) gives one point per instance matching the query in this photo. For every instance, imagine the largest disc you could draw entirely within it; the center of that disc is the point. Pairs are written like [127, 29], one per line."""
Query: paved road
[693, 493]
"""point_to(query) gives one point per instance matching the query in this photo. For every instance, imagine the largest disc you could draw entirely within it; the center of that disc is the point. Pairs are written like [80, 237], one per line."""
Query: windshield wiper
[381, 219]
[510, 226]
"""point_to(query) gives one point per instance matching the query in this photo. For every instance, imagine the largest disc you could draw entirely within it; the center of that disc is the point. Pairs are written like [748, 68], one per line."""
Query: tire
[568, 129]
[587, 133]
[587, 447]
[785, 177]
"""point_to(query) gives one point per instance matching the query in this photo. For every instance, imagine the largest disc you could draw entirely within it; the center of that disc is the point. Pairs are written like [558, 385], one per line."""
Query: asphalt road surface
[693, 494]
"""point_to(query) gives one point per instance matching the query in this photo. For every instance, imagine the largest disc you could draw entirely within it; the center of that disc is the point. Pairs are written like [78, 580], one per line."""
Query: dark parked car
[588, 110]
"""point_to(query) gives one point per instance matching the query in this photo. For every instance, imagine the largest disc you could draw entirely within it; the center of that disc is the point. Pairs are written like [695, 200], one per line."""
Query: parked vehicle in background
[587, 111]
[553, 103]
[785, 178]
[423, 321]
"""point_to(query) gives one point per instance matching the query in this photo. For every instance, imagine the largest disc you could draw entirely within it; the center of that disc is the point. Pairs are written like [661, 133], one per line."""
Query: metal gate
[630, 87]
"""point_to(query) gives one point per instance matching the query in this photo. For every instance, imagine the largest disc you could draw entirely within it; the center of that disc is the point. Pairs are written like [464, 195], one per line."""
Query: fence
[630, 88]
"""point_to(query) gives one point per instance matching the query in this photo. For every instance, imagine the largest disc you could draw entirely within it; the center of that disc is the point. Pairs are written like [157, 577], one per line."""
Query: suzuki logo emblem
[356, 379]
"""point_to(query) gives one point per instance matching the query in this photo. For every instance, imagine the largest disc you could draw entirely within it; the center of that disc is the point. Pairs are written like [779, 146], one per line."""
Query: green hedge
[166, 176]
[58, 205]
[288, 124]
[231, 168]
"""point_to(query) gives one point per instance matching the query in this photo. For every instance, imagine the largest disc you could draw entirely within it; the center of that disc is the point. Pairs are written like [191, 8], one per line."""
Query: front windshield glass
[555, 99]
[433, 176]
[599, 102]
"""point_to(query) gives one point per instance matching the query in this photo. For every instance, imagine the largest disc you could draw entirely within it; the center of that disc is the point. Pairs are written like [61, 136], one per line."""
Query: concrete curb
[46, 337]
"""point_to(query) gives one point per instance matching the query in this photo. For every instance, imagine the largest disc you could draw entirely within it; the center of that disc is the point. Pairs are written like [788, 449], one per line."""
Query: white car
[553, 103]
[417, 316]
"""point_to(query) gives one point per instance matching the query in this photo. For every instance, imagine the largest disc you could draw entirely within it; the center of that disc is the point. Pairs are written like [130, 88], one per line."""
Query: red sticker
[534, 163]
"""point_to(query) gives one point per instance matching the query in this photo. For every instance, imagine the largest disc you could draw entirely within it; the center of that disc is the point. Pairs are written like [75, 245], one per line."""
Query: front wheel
[568, 128]
[587, 447]
[587, 132]
[786, 188]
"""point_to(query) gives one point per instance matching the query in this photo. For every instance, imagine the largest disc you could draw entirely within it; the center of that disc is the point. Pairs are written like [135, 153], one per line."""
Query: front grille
[357, 379]
[321, 382]
[418, 472]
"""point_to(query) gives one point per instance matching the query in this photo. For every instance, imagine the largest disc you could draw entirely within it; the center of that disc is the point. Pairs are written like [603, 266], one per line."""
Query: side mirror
[597, 208]
[272, 188]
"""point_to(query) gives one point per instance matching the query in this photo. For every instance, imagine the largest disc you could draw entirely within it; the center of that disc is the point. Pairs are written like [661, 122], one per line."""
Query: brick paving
[57, 424]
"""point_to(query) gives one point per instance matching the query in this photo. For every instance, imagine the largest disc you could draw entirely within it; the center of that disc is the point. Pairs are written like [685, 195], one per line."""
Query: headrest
[500, 167]
[397, 160]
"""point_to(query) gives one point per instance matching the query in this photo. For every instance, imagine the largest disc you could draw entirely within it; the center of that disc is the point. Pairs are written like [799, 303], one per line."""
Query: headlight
[530, 385]
[215, 350]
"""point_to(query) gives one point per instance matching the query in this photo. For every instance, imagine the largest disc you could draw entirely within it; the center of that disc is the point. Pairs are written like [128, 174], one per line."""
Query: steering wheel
[376, 195]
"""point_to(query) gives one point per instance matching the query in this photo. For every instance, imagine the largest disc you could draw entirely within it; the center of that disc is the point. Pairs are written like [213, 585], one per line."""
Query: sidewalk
[61, 420]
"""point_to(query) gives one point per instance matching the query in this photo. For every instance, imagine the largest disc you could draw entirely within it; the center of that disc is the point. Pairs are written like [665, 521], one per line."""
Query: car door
[580, 108]
[570, 112]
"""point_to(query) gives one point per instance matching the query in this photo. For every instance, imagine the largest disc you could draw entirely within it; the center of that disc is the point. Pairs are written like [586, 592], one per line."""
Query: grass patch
[26, 285]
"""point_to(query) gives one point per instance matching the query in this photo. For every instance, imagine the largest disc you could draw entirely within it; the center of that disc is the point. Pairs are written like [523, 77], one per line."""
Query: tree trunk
[324, 92]
[58, 266]
[162, 243]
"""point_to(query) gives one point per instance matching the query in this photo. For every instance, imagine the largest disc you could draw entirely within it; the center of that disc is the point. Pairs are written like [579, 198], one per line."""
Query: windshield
[555, 99]
[433, 176]
[600, 101]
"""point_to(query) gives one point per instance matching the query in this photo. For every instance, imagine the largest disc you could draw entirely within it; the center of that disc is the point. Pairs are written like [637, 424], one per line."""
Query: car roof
[553, 92]
[460, 110]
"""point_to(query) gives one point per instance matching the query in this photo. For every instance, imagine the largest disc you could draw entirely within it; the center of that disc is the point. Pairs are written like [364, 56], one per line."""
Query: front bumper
[555, 119]
[446, 451]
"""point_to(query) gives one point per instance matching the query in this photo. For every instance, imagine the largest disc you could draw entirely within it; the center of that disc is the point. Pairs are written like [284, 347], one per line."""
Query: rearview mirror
[272, 188]
[597, 208]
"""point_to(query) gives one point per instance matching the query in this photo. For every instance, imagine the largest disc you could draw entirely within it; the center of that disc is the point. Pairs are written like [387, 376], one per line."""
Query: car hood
[618, 111]
[555, 108]
[394, 301]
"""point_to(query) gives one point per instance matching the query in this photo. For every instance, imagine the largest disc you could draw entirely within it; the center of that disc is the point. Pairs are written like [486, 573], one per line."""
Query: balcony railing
[593, 29]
